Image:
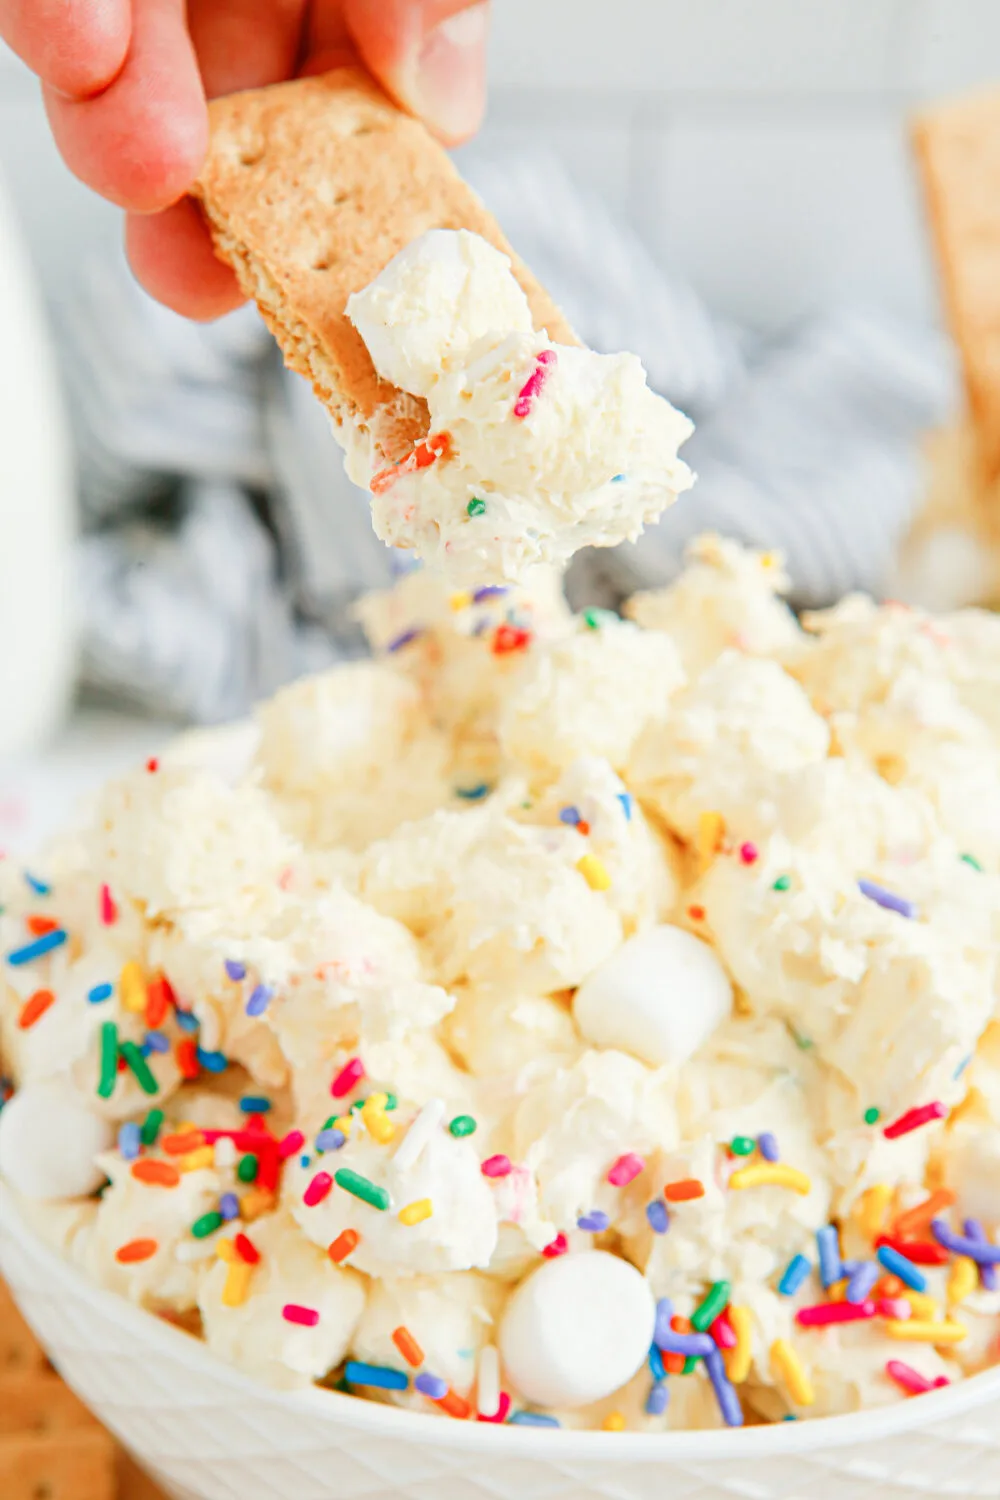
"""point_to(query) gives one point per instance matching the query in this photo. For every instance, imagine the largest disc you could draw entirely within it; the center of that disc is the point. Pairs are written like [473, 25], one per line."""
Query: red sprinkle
[152, 764]
[268, 1162]
[723, 1332]
[911, 1380]
[318, 1189]
[348, 1078]
[921, 1252]
[496, 1166]
[896, 1308]
[186, 1053]
[109, 911]
[500, 1415]
[835, 1312]
[533, 385]
[749, 853]
[246, 1250]
[558, 1246]
[914, 1118]
[308, 1317]
[626, 1169]
[159, 998]
[290, 1143]
[508, 638]
[34, 1008]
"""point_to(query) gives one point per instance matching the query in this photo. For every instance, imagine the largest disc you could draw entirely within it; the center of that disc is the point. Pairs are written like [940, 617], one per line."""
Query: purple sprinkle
[697, 1345]
[887, 899]
[729, 1402]
[570, 815]
[828, 1245]
[235, 969]
[260, 999]
[964, 1244]
[229, 1206]
[848, 1267]
[987, 1274]
[595, 1221]
[659, 1218]
[767, 1145]
[185, 1020]
[157, 1041]
[129, 1141]
[330, 1140]
[431, 1385]
[657, 1400]
[489, 591]
[407, 636]
[861, 1281]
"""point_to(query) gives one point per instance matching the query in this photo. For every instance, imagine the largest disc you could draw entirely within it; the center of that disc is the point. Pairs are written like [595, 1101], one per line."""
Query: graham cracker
[309, 189]
[958, 150]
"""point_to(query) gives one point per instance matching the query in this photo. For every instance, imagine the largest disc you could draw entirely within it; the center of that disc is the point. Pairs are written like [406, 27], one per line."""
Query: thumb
[430, 55]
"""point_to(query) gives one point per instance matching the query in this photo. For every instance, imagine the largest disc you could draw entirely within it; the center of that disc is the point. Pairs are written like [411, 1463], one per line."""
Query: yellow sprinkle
[226, 1250]
[792, 1371]
[416, 1212]
[738, 1362]
[963, 1279]
[769, 559]
[343, 1123]
[256, 1202]
[923, 1304]
[711, 830]
[771, 1174]
[185, 1126]
[838, 1291]
[614, 1422]
[377, 1101]
[194, 1161]
[234, 1293]
[594, 872]
[460, 600]
[132, 986]
[919, 1331]
[871, 1208]
[377, 1122]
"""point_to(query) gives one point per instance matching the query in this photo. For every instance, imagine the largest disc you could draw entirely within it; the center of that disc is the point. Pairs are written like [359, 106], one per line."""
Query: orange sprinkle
[39, 926]
[258, 1201]
[679, 1324]
[156, 1173]
[919, 1217]
[34, 1008]
[455, 1405]
[181, 1144]
[888, 1286]
[583, 827]
[186, 1053]
[343, 1245]
[136, 1250]
[158, 999]
[684, 1190]
[696, 913]
[407, 1346]
[673, 1363]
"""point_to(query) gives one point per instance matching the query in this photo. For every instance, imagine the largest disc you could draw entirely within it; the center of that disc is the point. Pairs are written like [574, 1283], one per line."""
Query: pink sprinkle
[749, 853]
[626, 1169]
[558, 1246]
[894, 1307]
[834, 1312]
[109, 911]
[914, 1118]
[911, 1380]
[293, 1313]
[290, 1143]
[496, 1166]
[317, 1189]
[348, 1078]
[531, 387]
[723, 1332]
[500, 1415]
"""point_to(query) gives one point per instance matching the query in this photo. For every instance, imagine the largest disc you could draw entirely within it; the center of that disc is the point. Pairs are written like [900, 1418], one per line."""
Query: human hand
[125, 84]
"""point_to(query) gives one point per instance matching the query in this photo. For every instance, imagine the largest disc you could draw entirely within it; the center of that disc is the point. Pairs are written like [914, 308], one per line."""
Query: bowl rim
[715, 1445]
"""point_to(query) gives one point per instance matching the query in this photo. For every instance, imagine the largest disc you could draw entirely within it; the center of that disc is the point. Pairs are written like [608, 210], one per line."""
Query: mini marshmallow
[576, 1329]
[660, 996]
[49, 1141]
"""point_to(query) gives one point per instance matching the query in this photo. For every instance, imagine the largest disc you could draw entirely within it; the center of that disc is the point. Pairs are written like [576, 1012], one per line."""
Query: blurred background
[728, 188]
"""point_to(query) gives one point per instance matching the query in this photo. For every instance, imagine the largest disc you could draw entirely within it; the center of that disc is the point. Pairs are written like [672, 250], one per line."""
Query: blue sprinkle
[229, 1206]
[473, 793]
[254, 1104]
[129, 1140]
[595, 1221]
[618, 478]
[156, 1041]
[794, 1275]
[962, 1066]
[38, 949]
[659, 1218]
[658, 1399]
[656, 1366]
[145, 1049]
[532, 1419]
[185, 1020]
[887, 899]
[489, 591]
[861, 1281]
[404, 640]
[789, 1417]
[260, 1000]
[330, 1140]
[100, 992]
[356, 1373]
[213, 1062]
[38, 886]
[235, 970]
[828, 1245]
[903, 1267]
[570, 815]
[625, 798]
[768, 1146]
[431, 1385]
[304, 1161]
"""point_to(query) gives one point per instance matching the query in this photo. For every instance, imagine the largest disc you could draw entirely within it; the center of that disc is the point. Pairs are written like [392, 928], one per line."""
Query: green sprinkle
[109, 1059]
[782, 883]
[463, 1125]
[140, 1067]
[802, 1042]
[742, 1145]
[708, 1310]
[594, 618]
[690, 1364]
[357, 1107]
[476, 507]
[970, 859]
[206, 1225]
[150, 1130]
[330, 1123]
[362, 1187]
[872, 1115]
[247, 1169]
[391, 1102]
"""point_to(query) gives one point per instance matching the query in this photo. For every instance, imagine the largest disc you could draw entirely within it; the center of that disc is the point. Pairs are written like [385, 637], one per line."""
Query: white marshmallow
[660, 996]
[49, 1141]
[576, 1329]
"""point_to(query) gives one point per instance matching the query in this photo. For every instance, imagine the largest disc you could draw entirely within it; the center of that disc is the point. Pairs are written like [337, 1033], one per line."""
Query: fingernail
[449, 83]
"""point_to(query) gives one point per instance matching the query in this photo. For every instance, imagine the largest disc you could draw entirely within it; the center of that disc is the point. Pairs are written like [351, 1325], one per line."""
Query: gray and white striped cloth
[224, 543]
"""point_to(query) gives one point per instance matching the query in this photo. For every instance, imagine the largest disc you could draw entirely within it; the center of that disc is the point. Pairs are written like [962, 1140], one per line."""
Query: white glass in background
[36, 511]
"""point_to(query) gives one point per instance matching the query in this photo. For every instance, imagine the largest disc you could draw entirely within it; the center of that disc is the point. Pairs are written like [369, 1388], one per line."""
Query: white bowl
[205, 1432]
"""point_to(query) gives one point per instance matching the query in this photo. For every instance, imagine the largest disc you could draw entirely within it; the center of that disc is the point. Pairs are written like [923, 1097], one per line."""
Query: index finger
[75, 46]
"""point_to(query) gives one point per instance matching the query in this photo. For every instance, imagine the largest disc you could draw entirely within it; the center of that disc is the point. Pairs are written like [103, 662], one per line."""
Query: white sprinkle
[488, 1382]
[419, 1133]
[225, 1153]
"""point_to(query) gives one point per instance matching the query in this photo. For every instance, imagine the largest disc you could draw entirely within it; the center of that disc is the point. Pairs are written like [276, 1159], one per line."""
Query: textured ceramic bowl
[205, 1432]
